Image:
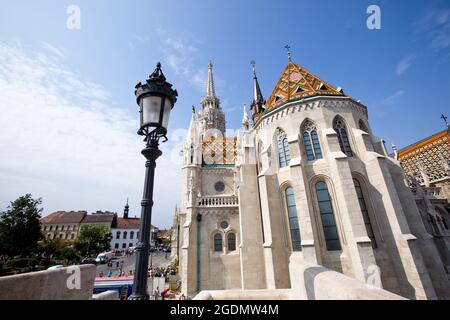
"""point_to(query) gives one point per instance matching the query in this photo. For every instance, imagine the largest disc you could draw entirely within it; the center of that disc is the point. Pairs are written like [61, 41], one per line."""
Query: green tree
[20, 228]
[51, 247]
[93, 239]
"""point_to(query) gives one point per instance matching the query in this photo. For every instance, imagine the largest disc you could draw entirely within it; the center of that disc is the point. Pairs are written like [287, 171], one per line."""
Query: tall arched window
[118, 235]
[231, 242]
[365, 213]
[311, 141]
[132, 235]
[284, 156]
[293, 219]
[124, 234]
[218, 242]
[341, 130]
[327, 217]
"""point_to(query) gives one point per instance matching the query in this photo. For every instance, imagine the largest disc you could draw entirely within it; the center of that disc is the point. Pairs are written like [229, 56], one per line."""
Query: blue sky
[79, 149]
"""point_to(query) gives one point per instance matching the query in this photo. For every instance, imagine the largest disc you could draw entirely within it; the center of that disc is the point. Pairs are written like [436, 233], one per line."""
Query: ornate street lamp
[156, 99]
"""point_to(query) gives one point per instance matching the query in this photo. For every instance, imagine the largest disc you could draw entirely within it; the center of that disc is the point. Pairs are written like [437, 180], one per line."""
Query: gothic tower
[211, 118]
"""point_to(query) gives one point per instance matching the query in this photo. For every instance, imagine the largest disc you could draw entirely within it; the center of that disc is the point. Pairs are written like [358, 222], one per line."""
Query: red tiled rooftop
[64, 217]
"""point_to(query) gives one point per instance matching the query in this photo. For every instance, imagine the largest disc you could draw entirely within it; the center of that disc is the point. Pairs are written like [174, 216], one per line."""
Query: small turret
[126, 210]
[245, 120]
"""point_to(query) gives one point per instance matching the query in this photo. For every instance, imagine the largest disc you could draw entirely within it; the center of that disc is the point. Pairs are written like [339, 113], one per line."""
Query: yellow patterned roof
[427, 155]
[297, 83]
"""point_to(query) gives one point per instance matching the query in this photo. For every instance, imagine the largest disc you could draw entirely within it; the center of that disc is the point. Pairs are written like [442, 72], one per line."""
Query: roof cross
[288, 48]
[445, 120]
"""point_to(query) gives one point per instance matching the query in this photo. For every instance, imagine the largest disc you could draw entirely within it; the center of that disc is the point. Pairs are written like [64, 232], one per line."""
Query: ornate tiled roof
[428, 155]
[297, 83]
[219, 151]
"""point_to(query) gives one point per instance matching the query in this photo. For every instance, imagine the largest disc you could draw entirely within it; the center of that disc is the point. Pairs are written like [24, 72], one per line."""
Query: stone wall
[71, 283]
[309, 282]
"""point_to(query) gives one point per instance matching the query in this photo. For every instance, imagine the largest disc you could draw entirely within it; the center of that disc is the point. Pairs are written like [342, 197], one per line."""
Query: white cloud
[59, 51]
[404, 64]
[182, 56]
[136, 40]
[391, 99]
[435, 28]
[61, 138]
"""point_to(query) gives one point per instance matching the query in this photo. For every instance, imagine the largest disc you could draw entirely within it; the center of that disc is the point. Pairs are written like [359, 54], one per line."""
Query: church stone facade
[304, 180]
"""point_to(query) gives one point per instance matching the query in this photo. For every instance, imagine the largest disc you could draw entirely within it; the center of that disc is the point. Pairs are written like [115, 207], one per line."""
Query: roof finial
[288, 48]
[253, 63]
[445, 120]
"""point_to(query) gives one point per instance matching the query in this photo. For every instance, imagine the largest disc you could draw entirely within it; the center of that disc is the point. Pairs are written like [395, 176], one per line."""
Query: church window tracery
[311, 141]
[341, 130]
[365, 212]
[327, 217]
[284, 155]
[293, 219]
[218, 242]
[231, 242]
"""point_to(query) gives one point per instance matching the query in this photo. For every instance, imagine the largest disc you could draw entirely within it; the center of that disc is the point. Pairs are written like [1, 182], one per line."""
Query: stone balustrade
[218, 201]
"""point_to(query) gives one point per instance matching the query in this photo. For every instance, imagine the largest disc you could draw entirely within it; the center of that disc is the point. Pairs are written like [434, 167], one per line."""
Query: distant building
[66, 225]
[125, 231]
[108, 219]
[62, 224]
[165, 234]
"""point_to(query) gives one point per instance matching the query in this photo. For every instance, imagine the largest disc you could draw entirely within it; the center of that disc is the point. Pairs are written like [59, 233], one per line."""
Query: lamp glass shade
[151, 109]
[167, 109]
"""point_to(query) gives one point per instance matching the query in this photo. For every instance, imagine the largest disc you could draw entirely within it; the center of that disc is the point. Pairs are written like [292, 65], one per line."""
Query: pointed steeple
[126, 210]
[192, 129]
[210, 116]
[210, 90]
[245, 120]
[258, 99]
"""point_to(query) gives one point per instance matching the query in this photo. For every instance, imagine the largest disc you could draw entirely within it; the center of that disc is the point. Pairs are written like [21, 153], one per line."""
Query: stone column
[356, 239]
[251, 245]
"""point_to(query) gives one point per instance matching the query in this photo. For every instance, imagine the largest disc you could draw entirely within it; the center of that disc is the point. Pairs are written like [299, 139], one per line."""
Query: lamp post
[156, 99]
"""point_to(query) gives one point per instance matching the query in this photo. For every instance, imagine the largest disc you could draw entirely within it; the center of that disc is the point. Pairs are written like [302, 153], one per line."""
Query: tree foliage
[20, 228]
[93, 239]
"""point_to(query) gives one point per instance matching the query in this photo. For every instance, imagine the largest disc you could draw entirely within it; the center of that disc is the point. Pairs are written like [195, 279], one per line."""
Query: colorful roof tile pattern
[219, 151]
[297, 83]
[428, 155]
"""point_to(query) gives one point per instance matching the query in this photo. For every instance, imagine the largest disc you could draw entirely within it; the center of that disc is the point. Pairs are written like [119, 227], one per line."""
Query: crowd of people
[162, 272]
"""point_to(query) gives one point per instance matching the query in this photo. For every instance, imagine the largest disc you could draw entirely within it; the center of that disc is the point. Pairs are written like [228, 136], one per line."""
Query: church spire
[258, 99]
[210, 90]
[210, 115]
[126, 210]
